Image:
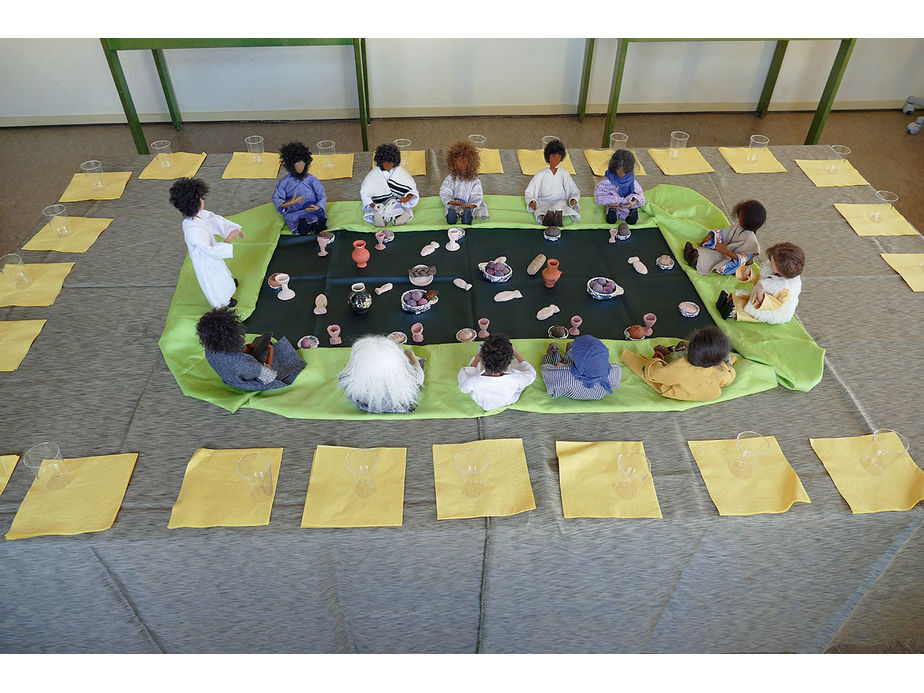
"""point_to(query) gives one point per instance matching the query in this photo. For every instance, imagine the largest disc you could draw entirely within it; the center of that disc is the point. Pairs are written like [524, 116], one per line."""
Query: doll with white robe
[388, 192]
[552, 192]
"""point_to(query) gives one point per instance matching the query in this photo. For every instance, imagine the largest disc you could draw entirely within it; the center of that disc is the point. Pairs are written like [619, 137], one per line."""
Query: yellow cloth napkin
[818, 173]
[688, 161]
[242, 165]
[84, 232]
[47, 280]
[588, 475]
[772, 486]
[7, 465]
[214, 494]
[79, 189]
[342, 166]
[891, 223]
[533, 160]
[909, 265]
[16, 337]
[737, 158]
[899, 487]
[414, 161]
[507, 490]
[599, 161]
[185, 165]
[490, 161]
[89, 503]
[331, 501]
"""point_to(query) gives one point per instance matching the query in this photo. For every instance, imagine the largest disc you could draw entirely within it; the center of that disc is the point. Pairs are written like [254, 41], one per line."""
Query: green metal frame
[821, 112]
[112, 46]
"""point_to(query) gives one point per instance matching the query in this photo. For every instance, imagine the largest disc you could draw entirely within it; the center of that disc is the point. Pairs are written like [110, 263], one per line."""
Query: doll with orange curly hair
[461, 191]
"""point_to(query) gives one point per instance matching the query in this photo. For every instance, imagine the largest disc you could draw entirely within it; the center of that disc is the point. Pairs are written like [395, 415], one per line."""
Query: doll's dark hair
[186, 195]
[708, 347]
[788, 258]
[293, 152]
[621, 159]
[751, 214]
[496, 353]
[387, 152]
[555, 147]
[221, 330]
[468, 150]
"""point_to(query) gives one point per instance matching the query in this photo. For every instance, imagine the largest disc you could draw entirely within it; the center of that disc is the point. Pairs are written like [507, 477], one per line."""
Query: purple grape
[491, 271]
[596, 286]
[421, 302]
[416, 295]
[504, 271]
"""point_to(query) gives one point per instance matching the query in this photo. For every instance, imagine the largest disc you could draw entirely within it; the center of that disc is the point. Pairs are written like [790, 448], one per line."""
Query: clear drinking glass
[45, 462]
[618, 140]
[840, 156]
[756, 147]
[327, 148]
[750, 448]
[478, 140]
[403, 145]
[56, 217]
[633, 468]
[472, 466]
[361, 464]
[886, 199]
[679, 141]
[885, 448]
[163, 153]
[93, 170]
[14, 271]
[255, 147]
[256, 472]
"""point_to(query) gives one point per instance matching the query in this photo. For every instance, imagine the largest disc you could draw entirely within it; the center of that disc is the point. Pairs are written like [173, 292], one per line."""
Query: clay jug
[359, 298]
[360, 255]
[551, 273]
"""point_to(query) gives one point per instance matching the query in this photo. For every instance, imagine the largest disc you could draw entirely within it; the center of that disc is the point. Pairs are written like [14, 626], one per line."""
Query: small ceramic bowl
[558, 332]
[623, 235]
[421, 281]
[496, 278]
[416, 310]
[688, 309]
[665, 262]
[466, 334]
[618, 291]
[633, 339]
[398, 337]
[552, 233]
[273, 284]
[308, 342]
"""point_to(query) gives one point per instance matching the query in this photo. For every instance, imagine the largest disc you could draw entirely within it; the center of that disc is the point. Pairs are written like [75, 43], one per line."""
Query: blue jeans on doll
[452, 216]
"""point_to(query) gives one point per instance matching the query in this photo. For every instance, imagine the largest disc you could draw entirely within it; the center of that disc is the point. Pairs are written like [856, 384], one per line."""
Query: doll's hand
[532, 206]
[234, 235]
[468, 206]
[455, 203]
[312, 208]
[757, 297]
[406, 198]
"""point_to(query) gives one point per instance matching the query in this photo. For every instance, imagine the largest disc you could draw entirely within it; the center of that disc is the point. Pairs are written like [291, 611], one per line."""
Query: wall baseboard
[436, 112]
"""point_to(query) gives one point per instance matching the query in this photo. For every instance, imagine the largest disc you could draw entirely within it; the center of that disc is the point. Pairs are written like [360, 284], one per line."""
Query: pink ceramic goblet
[649, 319]
[322, 243]
[575, 324]
[483, 324]
[334, 332]
[417, 332]
[613, 233]
[380, 237]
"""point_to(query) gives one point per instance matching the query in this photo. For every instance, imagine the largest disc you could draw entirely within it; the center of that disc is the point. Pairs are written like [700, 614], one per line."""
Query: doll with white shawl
[552, 193]
[388, 191]
[775, 294]
[381, 377]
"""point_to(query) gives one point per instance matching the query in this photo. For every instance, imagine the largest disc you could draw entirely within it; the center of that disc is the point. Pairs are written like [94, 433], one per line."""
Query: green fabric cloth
[773, 352]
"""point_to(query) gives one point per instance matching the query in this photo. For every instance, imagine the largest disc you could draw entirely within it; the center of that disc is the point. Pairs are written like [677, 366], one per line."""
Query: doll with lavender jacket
[619, 192]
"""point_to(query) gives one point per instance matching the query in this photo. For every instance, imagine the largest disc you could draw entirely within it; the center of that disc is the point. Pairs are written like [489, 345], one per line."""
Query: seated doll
[388, 191]
[723, 251]
[775, 294]
[493, 379]
[585, 371]
[461, 191]
[552, 193]
[699, 376]
[199, 230]
[222, 336]
[619, 192]
[300, 197]
[381, 377]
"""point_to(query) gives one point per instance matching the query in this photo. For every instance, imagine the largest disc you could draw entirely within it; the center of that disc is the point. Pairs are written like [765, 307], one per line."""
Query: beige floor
[36, 163]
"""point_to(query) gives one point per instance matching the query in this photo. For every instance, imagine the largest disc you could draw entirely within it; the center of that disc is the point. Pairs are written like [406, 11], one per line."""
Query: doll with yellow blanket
[775, 294]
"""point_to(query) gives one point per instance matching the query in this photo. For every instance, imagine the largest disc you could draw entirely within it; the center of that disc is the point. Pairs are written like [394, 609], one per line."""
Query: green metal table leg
[622, 49]
[827, 96]
[165, 82]
[775, 64]
[361, 93]
[362, 45]
[131, 115]
[585, 78]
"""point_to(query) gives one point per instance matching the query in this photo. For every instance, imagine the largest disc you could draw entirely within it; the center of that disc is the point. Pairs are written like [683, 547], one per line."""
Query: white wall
[47, 81]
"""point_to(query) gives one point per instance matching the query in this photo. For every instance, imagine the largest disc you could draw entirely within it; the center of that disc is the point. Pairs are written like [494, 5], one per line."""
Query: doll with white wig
[381, 377]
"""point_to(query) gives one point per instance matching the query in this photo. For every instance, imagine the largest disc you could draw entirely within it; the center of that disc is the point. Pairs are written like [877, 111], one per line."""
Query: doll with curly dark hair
[299, 197]
[388, 191]
[552, 193]
[619, 192]
[497, 375]
[221, 334]
[724, 250]
[206, 253]
[461, 190]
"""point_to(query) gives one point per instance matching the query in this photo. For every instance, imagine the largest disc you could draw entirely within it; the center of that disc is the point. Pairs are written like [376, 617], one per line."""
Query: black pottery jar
[359, 299]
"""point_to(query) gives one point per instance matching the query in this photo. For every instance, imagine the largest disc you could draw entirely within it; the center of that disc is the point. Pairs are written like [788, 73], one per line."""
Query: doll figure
[461, 192]
[388, 191]
[552, 193]
[381, 377]
[497, 375]
[723, 251]
[299, 197]
[619, 192]
[775, 294]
